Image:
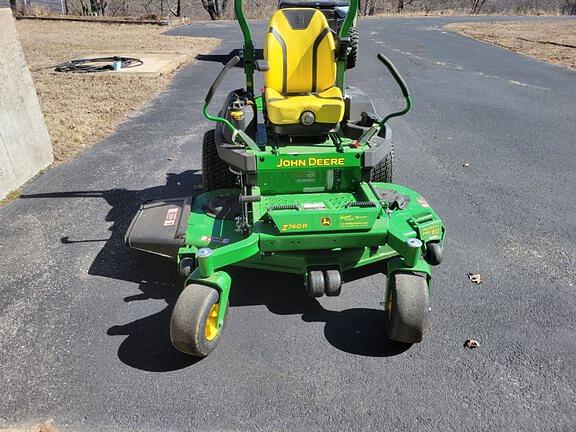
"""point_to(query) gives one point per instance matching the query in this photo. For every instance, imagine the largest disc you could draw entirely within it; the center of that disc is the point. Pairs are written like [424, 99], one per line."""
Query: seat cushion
[327, 106]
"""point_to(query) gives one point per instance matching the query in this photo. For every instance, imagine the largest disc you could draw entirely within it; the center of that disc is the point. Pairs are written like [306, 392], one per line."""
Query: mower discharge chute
[296, 180]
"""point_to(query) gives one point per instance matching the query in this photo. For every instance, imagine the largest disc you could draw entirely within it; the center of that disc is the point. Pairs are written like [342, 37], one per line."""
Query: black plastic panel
[159, 227]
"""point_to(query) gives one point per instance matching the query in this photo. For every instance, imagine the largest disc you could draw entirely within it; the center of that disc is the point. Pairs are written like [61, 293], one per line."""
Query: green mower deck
[303, 238]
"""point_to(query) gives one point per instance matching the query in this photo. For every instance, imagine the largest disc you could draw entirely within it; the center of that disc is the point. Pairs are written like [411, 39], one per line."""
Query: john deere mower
[297, 179]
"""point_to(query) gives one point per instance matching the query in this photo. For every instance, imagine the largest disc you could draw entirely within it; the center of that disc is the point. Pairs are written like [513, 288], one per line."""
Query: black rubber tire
[316, 285]
[333, 282]
[354, 42]
[215, 172]
[407, 307]
[188, 321]
[434, 253]
[186, 267]
[384, 170]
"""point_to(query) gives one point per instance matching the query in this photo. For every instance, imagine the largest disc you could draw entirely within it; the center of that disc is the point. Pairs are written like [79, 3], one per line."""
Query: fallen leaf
[170, 158]
[475, 278]
[471, 344]
[48, 426]
[466, 164]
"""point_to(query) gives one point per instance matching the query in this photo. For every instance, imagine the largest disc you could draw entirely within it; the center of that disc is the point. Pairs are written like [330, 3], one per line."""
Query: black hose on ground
[89, 65]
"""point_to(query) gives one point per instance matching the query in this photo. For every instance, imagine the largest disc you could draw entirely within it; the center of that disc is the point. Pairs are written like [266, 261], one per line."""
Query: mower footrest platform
[159, 227]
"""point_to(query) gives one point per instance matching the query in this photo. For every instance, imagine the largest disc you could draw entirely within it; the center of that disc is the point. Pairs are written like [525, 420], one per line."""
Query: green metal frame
[248, 52]
[346, 25]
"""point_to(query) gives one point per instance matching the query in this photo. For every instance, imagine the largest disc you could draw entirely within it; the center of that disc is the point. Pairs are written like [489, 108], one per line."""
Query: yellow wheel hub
[211, 328]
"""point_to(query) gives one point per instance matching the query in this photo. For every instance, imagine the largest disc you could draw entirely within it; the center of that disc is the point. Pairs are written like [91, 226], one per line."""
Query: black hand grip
[231, 63]
[386, 61]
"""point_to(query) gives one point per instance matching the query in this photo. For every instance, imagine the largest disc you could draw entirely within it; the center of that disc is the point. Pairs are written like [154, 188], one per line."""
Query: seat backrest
[299, 49]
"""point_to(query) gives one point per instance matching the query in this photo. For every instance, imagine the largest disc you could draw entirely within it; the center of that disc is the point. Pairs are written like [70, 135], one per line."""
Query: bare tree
[368, 9]
[177, 11]
[214, 8]
[569, 8]
[477, 6]
[403, 3]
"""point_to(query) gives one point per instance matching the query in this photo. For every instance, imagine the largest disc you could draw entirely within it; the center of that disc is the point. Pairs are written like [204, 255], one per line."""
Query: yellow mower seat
[300, 52]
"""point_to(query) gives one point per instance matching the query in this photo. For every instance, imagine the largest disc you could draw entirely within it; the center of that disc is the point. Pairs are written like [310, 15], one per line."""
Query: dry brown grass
[553, 41]
[80, 109]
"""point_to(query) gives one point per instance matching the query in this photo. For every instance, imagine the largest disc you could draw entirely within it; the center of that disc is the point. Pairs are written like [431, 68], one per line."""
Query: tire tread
[215, 172]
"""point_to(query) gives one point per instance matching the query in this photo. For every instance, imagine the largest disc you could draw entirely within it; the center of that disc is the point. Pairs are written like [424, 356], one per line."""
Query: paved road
[84, 321]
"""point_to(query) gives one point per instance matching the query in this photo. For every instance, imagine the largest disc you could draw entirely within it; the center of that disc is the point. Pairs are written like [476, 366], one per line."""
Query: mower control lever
[238, 136]
[229, 65]
[380, 128]
[403, 87]
[394, 72]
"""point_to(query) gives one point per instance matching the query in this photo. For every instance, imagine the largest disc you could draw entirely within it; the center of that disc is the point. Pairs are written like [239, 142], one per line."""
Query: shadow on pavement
[357, 331]
[147, 344]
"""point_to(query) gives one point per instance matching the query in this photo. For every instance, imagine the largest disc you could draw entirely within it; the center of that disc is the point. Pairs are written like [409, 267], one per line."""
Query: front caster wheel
[434, 253]
[194, 323]
[407, 307]
[315, 285]
[333, 282]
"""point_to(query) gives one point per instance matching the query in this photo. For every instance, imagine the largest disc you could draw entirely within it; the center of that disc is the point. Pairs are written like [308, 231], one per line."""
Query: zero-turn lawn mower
[297, 180]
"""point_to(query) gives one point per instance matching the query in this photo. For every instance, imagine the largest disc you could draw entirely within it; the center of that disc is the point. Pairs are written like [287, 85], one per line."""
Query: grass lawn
[80, 109]
[552, 41]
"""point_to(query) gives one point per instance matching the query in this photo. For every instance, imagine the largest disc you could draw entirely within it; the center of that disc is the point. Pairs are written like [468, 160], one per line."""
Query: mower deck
[290, 230]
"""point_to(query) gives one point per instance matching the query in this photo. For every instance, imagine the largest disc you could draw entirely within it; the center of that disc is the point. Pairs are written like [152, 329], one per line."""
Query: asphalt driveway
[84, 320]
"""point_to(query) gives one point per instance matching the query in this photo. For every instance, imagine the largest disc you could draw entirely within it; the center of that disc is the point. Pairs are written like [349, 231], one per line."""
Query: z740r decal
[290, 227]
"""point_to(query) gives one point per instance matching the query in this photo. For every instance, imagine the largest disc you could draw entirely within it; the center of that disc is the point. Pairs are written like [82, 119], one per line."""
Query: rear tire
[354, 42]
[215, 172]
[193, 325]
[407, 307]
[384, 170]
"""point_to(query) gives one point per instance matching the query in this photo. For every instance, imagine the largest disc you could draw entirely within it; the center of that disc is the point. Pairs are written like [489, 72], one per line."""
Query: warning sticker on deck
[353, 221]
[171, 217]
[220, 240]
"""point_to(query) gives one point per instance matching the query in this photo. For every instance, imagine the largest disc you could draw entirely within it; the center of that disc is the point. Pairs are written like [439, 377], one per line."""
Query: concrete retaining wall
[25, 146]
[52, 5]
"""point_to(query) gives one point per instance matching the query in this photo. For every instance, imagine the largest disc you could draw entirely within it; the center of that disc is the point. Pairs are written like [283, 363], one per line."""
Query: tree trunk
[13, 6]
[477, 6]
[213, 8]
[400, 6]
